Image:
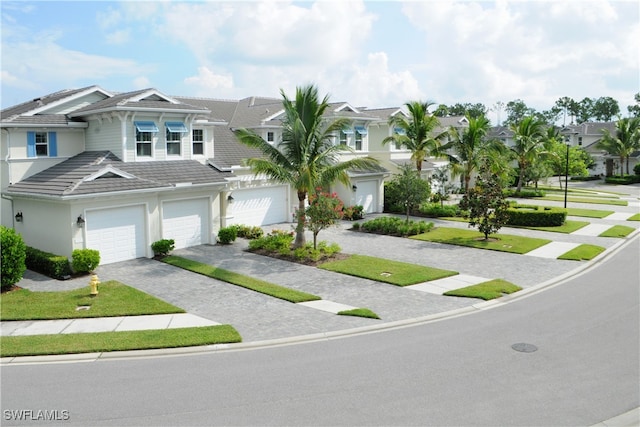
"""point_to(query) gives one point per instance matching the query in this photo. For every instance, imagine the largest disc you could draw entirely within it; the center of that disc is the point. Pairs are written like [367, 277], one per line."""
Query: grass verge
[384, 270]
[359, 312]
[113, 299]
[588, 213]
[582, 253]
[568, 227]
[35, 345]
[486, 290]
[636, 217]
[475, 239]
[618, 231]
[247, 282]
[615, 202]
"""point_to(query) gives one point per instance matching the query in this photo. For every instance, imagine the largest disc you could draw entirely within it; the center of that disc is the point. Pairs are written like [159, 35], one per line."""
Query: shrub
[85, 260]
[636, 169]
[396, 227]
[163, 247]
[622, 180]
[586, 178]
[248, 231]
[536, 216]
[436, 210]
[353, 213]
[275, 241]
[226, 235]
[524, 193]
[52, 265]
[356, 226]
[12, 257]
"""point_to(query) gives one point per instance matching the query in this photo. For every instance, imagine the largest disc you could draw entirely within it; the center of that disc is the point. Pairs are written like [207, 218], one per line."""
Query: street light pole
[566, 178]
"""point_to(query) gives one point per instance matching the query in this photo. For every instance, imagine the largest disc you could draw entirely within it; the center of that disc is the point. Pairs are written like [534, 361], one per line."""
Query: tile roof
[33, 104]
[69, 178]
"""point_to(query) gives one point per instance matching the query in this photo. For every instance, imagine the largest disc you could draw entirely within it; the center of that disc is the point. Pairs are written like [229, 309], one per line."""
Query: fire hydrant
[94, 285]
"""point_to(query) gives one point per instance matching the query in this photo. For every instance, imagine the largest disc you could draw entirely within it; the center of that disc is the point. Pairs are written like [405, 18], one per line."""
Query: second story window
[271, 137]
[579, 140]
[360, 132]
[173, 137]
[344, 136]
[144, 138]
[197, 140]
[41, 144]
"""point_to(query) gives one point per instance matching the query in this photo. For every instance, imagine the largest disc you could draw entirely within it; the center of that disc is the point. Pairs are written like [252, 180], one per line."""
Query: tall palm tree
[625, 141]
[306, 158]
[470, 146]
[416, 132]
[529, 136]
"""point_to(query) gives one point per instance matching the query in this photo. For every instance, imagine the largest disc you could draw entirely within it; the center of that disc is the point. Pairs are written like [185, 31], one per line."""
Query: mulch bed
[291, 258]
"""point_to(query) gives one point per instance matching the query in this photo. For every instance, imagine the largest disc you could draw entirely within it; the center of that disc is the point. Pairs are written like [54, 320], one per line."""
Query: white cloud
[208, 82]
[141, 82]
[119, 37]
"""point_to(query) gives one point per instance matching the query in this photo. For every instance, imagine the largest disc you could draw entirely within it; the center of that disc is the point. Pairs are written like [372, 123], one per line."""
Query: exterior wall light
[230, 199]
[354, 187]
[19, 217]
[80, 221]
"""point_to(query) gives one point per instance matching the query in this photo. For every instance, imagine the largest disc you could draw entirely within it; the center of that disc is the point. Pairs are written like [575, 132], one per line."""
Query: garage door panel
[259, 206]
[186, 222]
[118, 233]
[366, 195]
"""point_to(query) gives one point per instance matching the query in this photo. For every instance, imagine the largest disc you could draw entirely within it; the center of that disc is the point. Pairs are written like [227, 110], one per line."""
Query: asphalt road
[459, 371]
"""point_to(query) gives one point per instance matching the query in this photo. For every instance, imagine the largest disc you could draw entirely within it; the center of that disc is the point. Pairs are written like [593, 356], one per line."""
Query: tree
[441, 111]
[567, 106]
[306, 157]
[13, 253]
[585, 110]
[486, 203]
[556, 157]
[324, 210]
[411, 189]
[517, 110]
[605, 108]
[634, 110]
[529, 136]
[625, 141]
[468, 109]
[416, 132]
[470, 146]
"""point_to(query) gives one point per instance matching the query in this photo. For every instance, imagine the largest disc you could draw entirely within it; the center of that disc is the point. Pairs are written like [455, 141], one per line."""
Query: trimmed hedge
[248, 232]
[436, 210]
[524, 193]
[85, 260]
[227, 235]
[52, 265]
[622, 180]
[394, 226]
[536, 216]
[586, 178]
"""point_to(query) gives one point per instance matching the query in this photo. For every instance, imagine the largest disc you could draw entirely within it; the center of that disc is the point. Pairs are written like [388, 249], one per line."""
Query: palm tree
[529, 135]
[471, 147]
[416, 132]
[306, 158]
[625, 141]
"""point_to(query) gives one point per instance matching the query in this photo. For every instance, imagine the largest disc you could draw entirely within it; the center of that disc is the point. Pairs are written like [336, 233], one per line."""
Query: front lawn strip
[113, 299]
[614, 202]
[568, 227]
[588, 213]
[359, 312]
[485, 290]
[475, 239]
[582, 253]
[247, 282]
[35, 345]
[636, 217]
[384, 270]
[618, 231]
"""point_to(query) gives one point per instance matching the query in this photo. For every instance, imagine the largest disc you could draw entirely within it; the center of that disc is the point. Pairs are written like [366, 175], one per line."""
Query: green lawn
[486, 290]
[588, 213]
[582, 253]
[618, 231]
[247, 282]
[593, 200]
[636, 217]
[568, 227]
[113, 299]
[359, 312]
[475, 239]
[33, 345]
[387, 271]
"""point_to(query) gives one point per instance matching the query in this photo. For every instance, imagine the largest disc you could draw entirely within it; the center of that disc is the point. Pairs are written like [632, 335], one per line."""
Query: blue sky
[369, 53]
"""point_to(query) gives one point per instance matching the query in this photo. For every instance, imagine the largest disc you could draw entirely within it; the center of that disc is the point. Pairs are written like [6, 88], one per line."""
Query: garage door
[259, 206]
[118, 233]
[186, 222]
[367, 195]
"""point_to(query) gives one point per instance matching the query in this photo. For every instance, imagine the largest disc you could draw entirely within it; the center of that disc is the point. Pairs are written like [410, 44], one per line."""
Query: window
[270, 137]
[174, 140]
[397, 131]
[197, 139]
[144, 137]
[358, 143]
[41, 144]
[344, 136]
[579, 140]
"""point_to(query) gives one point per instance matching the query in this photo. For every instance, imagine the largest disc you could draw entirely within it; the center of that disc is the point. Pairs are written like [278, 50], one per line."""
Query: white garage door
[186, 222]
[258, 206]
[367, 195]
[118, 233]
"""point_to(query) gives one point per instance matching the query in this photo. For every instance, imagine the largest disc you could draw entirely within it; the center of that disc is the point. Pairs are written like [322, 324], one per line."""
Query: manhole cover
[385, 274]
[83, 307]
[524, 347]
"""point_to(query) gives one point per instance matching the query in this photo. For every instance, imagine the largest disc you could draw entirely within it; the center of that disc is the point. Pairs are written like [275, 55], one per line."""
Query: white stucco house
[90, 168]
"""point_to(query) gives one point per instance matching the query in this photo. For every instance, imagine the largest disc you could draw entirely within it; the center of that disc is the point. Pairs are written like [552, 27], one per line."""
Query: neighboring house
[89, 168]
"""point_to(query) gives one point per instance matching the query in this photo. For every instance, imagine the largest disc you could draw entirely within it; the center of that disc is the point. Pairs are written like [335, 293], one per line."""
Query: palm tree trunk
[300, 240]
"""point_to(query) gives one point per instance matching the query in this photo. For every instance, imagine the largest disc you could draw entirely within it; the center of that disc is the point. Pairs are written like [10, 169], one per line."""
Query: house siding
[105, 136]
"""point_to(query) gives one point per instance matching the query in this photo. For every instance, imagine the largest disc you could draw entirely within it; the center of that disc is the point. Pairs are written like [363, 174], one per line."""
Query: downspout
[123, 134]
[6, 160]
